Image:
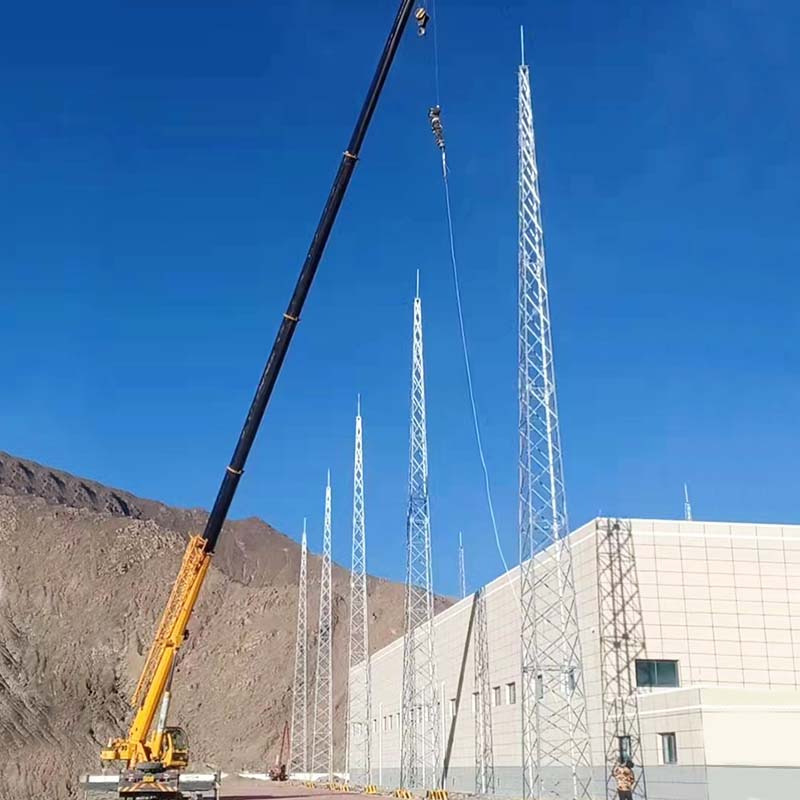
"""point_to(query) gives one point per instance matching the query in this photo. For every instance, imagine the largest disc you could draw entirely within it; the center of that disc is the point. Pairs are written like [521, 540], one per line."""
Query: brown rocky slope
[84, 573]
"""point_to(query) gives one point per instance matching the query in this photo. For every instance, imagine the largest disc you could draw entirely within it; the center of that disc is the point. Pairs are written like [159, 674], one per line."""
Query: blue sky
[162, 169]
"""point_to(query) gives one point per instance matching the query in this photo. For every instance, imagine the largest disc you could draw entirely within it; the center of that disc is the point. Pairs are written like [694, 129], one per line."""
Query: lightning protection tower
[298, 744]
[420, 754]
[555, 738]
[462, 575]
[484, 745]
[322, 740]
[359, 694]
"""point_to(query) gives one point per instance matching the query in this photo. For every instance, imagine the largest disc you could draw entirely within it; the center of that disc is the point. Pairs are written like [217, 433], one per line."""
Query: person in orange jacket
[623, 774]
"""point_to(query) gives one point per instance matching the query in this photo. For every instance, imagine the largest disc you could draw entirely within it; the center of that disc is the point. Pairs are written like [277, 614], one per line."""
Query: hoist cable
[457, 287]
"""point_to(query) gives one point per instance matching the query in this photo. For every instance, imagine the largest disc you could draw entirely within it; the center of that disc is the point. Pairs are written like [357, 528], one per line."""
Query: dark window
[669, 748]
[624, 747]
[656, 673]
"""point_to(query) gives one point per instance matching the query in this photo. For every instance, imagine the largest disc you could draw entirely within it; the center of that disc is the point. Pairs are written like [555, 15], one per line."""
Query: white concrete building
[716, 669]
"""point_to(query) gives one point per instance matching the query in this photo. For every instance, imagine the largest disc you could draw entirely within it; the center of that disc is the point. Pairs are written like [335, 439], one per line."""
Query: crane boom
[161, 747]
[233, 472]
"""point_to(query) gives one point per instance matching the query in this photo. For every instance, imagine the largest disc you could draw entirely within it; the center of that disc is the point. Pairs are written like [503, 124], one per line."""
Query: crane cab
[175, 749]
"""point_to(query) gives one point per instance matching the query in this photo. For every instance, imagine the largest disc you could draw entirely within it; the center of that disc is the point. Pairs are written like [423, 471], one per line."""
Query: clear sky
[162, 167]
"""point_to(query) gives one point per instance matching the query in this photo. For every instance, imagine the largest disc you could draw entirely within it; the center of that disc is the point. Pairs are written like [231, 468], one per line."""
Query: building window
[498, 697]
[654, 673]
[568, 679]
[539, 686]
[625, 750]
[511, 693]
[374, 725]
[475, 696]
[452, 706]
[386, 724]
[669, 748]
[398, 720]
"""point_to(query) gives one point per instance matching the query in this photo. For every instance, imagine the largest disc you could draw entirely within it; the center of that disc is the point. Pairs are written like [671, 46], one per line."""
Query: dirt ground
[85, 572]
[234, 788]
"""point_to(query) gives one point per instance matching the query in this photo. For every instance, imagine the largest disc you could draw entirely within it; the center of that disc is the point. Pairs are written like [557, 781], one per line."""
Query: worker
[623, 774]
[435, 116]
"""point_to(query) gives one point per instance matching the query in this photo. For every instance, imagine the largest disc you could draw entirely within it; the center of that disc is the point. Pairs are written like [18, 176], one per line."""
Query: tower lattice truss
[420, 765]
[359, 694]
[298, 743]
[621, 643]
[322, 740]
[484, 743]
[555, 738]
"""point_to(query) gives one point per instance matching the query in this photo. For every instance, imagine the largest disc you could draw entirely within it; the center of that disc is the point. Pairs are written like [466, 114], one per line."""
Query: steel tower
[359, 694]
[555, 739]
[462, 575]
[298, 744]
[322, 740]
[484, 745]
[621, 628]
[420, 753]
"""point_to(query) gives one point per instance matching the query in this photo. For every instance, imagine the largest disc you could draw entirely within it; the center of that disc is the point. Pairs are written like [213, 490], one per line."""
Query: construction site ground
[235, 788]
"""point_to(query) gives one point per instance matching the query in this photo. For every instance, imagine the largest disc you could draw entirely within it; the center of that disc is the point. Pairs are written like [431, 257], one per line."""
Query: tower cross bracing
[298, 743]
[621, 629]
[359, 694]
[555, 738]
[420, 737]
[484, 743]
[322, 739]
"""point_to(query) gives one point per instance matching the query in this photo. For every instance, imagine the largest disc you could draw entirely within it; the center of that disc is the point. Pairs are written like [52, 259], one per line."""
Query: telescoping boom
[151, 757]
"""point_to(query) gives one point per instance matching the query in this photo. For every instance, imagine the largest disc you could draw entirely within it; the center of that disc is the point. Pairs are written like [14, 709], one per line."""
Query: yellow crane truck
[152, 755]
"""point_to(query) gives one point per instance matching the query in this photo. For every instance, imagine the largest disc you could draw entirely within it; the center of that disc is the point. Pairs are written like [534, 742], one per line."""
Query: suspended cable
[434, 115]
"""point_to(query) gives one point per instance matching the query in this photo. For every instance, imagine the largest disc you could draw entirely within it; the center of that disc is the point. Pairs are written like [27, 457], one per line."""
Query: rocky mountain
[85, 571]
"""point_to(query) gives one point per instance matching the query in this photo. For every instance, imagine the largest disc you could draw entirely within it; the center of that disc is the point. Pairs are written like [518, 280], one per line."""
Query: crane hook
[421, 15]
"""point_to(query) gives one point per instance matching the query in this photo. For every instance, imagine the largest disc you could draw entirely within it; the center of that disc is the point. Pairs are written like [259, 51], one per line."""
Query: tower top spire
[687, 506]
[416, 296]
[521, 45]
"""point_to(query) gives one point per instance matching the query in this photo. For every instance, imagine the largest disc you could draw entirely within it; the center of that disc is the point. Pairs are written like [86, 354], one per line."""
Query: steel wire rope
[462, 330]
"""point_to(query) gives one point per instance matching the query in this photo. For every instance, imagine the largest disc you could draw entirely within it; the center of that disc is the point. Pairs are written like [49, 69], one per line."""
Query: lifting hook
[422, 18]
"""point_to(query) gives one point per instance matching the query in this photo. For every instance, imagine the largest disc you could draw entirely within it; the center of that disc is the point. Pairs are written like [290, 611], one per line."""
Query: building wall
[718, 597]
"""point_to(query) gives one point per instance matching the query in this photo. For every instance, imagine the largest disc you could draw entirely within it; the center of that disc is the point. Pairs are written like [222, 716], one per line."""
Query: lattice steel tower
[298, 744]
[420, 754]
[484, 745]
[322, 740]
[555, 739]
[462, 574]
[621, 643]
[359, 693]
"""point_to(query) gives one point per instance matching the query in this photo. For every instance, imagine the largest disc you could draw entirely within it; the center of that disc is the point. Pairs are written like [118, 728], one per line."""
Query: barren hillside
[84, 573]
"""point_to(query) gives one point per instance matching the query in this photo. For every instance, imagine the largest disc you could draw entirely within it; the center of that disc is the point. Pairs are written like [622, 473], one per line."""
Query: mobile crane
[152, 757]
